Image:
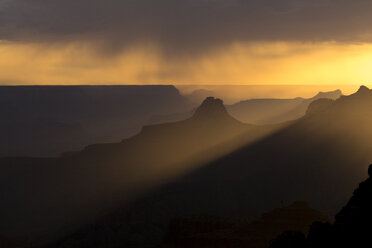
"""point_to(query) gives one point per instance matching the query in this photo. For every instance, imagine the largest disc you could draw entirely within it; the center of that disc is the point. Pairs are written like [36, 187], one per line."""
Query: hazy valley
[209, 163]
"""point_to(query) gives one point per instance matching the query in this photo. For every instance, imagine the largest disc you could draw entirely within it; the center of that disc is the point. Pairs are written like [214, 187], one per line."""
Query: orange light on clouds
[239, 63]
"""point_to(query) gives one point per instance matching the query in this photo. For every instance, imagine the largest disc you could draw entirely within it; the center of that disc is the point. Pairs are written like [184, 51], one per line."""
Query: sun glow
[239, 63]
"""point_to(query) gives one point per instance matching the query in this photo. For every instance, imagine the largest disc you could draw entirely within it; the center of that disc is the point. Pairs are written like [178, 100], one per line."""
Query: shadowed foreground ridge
[352, 227]
[211, 231]
[318, 158]
[83, 186]
[203, 165]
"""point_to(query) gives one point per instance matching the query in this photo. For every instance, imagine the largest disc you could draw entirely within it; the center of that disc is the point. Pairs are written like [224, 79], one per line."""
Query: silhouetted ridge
[353, 223]
[211, 114]
[256, 111]
[319, 105]
[356, 104]
[331, 94]
[49, 120]
[211, 109]
[363, 93]
[352, 227]
[269, 111]
[363, 90]
[209, 231]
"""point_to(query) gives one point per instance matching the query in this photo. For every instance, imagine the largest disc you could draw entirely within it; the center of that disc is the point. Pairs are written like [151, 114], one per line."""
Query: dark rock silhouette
[209, 231]
[57, 195]
[363, 90]
[212, 109]
[289, 239]
[49, 120]
[260, 111]
[269, 111]
[199, 95]
[240, 171]
[319, 105]
[352, 226]
[314, 158]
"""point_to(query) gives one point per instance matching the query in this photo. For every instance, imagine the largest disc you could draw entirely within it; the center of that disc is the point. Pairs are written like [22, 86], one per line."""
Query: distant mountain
[197, 96]
[268, 111]
[48, 197]
[49, 120]
[230, 169]
[258, 111]
[312, 158]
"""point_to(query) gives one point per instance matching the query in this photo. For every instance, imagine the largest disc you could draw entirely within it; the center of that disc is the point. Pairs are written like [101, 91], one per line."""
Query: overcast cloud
[184, 25]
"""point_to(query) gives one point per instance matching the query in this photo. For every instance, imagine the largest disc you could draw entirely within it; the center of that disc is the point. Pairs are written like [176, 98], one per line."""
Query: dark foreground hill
[352, 226]
[49, 120]
[313, 159]
[208, 231]
[49, 197]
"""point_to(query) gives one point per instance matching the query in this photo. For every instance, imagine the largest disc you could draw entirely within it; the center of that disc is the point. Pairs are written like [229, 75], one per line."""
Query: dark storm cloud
[184, 24]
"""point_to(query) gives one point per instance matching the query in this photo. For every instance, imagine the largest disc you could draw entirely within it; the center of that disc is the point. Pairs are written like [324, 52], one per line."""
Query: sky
[186, 42]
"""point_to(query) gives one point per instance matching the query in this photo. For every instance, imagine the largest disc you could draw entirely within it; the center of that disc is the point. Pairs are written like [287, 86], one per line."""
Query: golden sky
[186, 42]
[238, 63]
